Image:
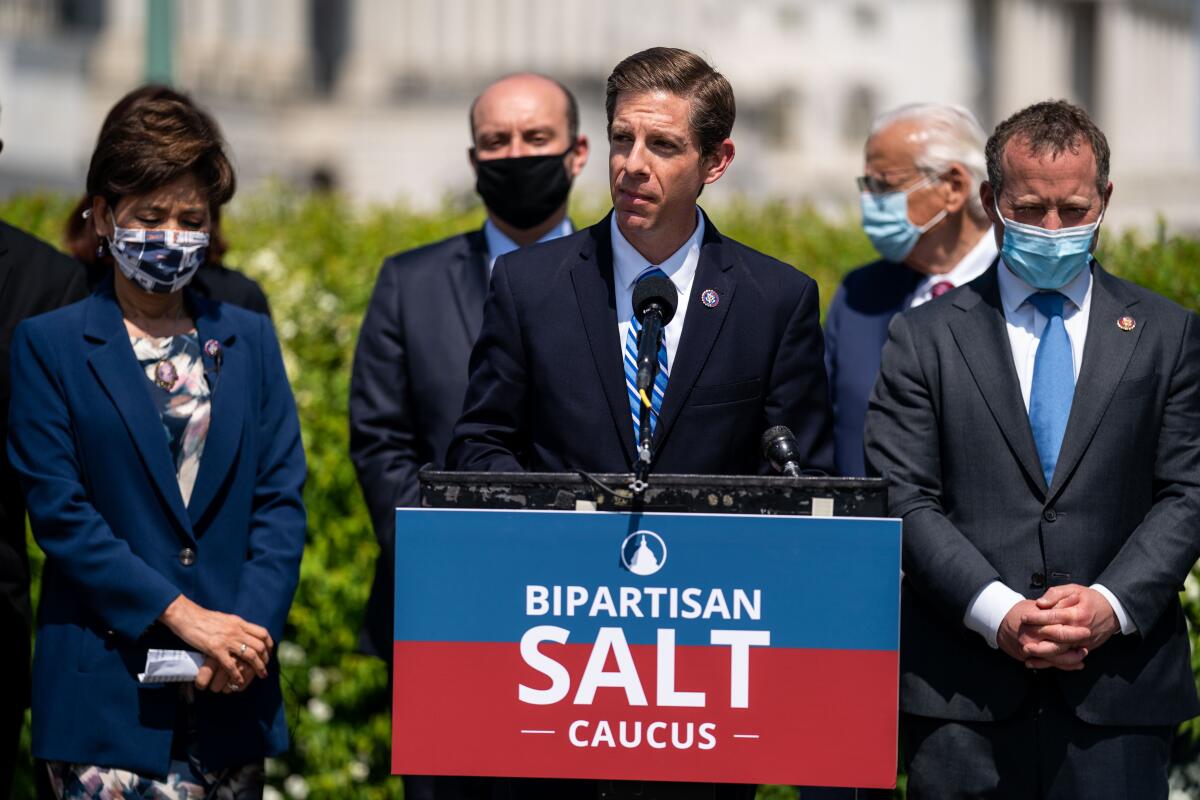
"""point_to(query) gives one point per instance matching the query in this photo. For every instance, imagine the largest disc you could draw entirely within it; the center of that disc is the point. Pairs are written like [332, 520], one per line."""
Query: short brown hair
[155, 142]
[1052, 126]
[683, 74]
[80, 235]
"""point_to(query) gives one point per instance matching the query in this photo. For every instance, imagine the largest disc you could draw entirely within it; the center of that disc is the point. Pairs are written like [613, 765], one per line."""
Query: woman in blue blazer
[157, 443]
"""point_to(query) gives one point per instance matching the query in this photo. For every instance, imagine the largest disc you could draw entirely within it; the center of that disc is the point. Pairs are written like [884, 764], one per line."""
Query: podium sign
[681, 647]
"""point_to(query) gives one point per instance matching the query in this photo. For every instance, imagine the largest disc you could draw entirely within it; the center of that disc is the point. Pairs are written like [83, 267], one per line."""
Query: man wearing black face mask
[410, 366]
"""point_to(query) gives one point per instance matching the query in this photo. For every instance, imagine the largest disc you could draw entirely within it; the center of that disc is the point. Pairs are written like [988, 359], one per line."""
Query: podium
[729, 629]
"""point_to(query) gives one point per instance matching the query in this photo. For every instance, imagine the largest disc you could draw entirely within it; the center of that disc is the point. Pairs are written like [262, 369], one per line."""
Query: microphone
[654, 302]
[779, 447]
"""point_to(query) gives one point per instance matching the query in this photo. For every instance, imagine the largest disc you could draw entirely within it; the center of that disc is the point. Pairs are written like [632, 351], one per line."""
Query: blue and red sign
[681, 647]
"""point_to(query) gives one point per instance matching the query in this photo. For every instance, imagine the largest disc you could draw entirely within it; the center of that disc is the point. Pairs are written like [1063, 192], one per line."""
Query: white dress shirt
[500, 245]
[680, 267]
[972, 265]
[1025, 324]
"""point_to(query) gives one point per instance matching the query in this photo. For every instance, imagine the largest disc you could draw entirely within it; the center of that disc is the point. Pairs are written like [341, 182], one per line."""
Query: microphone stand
[650, 335]
[641, 468]
[654, 303]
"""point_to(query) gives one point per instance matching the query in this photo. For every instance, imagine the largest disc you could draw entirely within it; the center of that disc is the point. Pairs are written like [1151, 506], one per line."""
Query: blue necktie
[1053, 382]
[660, 380]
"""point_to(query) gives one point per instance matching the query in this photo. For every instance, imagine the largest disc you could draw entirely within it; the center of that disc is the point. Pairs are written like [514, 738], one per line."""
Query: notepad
[171, 666]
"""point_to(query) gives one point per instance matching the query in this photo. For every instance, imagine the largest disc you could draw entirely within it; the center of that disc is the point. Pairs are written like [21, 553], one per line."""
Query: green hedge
[317, 257]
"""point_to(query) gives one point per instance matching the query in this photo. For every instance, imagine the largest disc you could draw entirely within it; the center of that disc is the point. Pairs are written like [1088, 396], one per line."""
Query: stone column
[1032, 54]
[377, 51]
[119, 55]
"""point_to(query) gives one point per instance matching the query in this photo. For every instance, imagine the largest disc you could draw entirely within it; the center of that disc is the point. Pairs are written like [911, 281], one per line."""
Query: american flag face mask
[160, 261]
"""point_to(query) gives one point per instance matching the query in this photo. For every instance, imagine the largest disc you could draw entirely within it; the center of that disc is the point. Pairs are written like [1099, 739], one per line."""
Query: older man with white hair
[920, 208]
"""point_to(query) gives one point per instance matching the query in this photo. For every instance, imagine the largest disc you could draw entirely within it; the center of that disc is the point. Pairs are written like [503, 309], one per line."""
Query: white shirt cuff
[1127, 626]
[988, 608]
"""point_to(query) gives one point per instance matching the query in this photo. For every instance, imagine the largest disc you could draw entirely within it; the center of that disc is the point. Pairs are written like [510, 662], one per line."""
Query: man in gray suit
[1040, 428]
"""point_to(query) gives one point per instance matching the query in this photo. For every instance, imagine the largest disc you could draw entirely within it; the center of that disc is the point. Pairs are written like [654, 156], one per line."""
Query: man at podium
[548, 389]
[551, 383]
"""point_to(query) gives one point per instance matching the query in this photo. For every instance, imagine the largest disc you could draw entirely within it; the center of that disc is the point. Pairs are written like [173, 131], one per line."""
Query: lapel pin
[1127, 323]
[710, 298]
[212, 348]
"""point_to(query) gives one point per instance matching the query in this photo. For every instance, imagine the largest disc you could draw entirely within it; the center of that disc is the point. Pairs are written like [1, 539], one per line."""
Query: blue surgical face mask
[159, 261]
[1047, 260]
[886, 223]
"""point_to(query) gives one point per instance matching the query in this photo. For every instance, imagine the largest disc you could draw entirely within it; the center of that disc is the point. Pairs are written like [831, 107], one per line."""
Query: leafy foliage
[316, 257]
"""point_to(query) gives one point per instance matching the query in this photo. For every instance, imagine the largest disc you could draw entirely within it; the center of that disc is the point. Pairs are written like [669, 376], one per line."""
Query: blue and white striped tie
[660, 380]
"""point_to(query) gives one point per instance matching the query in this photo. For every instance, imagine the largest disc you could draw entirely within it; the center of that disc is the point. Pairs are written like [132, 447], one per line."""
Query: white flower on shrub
[320, 710]
[265, 262]
[1191, 587]
[296, 787]
[318, 681]
[271, 793]
[327, 302]
[291, 654]
[359, 770]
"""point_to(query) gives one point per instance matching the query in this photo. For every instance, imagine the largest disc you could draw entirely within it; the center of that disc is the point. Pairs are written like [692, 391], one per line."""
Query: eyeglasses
[883, 183]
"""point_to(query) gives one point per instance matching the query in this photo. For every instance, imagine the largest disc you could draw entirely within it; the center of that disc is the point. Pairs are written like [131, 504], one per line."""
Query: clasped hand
[1058, 629]
[235, 650]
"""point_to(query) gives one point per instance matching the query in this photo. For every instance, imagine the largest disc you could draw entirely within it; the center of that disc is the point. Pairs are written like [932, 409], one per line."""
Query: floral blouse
[177, 362]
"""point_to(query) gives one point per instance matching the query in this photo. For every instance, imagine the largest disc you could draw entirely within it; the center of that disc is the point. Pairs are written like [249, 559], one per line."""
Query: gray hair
[951, 135]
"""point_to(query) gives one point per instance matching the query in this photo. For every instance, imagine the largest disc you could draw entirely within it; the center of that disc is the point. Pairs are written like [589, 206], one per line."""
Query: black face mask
[523, 191]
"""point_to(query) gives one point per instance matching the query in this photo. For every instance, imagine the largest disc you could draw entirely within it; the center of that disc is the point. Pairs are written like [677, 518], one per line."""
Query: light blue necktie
[1053, 382]
[660, 380]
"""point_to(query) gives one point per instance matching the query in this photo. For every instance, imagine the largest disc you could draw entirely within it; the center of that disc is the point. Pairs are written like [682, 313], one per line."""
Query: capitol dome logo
[643, 552]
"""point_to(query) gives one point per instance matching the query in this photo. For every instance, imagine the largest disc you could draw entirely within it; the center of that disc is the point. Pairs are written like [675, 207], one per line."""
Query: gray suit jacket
[948, 428]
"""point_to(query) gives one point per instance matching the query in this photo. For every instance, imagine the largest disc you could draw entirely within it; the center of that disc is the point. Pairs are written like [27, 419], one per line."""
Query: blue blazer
[856, 328]
[105, 507]
[547, 391]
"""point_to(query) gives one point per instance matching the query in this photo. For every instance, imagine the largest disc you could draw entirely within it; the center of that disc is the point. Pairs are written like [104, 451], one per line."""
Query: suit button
[1038, 580]
[1049, 515]
[187, 556]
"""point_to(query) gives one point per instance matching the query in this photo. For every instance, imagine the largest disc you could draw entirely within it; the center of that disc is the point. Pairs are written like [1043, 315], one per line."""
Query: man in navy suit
[921, 210]
[410, 366]
[743, 352]
[547, 389]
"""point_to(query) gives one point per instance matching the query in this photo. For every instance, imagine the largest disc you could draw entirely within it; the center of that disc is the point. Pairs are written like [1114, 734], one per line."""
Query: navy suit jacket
[105, 506]
[34, 278]
[856, 328]
[547, 388]
[407, 387]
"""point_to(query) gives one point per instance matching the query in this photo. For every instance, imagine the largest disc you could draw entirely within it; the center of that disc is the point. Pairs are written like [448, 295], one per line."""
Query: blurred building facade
[371, 95]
